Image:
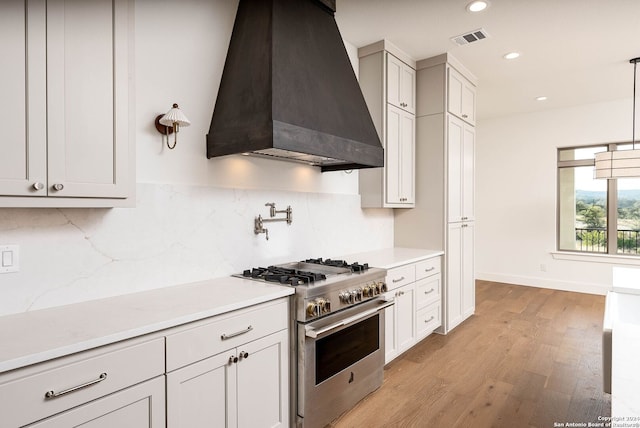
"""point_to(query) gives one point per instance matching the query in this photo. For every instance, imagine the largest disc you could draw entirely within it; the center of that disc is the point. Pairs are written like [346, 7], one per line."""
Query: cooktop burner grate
[284, 275]
[355, 267]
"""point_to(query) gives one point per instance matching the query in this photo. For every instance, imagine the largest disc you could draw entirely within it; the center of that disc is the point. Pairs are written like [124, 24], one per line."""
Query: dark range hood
[288, 90]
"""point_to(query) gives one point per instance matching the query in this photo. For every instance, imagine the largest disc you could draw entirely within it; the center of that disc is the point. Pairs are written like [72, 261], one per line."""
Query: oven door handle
[313, 333]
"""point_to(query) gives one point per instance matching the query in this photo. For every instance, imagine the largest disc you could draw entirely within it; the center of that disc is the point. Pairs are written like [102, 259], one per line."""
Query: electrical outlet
[9, 258]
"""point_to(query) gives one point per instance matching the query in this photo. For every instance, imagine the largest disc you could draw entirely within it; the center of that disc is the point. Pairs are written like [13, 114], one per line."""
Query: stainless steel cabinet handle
[399, 279]
[244, 354]
[225, 336]
[430, 319]
[58, 186]
[38, 186]
[52, 394]
[465, 116]
[233, 359]
[430, 291]
[430, 269]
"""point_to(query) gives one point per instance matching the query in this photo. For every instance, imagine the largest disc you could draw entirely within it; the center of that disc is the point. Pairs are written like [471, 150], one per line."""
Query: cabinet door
[390, 330]
[460, 299]
[401, 84]
[400, 157]
[455, 152]
[87, 97]
[394, 80]
[263, 382]
[405, 320]
[468, 173]
[203, 394]
[23, 146]
[454, 275]
[461, 97]
[140, 406]
[468, 270]
[408, 89]
[460, 170]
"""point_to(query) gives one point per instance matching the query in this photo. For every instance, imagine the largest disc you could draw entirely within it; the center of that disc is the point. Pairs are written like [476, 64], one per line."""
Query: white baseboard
[529, 281]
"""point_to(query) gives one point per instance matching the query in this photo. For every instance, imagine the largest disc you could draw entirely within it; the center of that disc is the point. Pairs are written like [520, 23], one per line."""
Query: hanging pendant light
[621, 163]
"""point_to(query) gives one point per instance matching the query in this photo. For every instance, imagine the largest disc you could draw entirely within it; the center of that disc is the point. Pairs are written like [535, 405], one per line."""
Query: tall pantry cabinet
[444, 213]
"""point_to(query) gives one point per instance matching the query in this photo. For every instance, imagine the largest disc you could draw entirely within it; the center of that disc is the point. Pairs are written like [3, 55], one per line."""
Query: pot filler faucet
[258, 226]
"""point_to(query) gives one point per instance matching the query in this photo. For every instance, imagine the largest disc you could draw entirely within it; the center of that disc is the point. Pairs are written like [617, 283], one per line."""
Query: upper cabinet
[461, 100]
[67, 103]
[401, 84]
[387, 79]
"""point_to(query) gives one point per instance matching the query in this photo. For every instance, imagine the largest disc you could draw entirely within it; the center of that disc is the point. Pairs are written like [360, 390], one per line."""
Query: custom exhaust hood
[288, 90]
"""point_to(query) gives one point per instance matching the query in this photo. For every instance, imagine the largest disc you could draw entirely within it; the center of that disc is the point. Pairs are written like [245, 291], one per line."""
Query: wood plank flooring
[529, 357]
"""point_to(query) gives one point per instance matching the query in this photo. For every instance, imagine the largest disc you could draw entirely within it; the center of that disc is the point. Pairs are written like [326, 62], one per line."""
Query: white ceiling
[574, 52]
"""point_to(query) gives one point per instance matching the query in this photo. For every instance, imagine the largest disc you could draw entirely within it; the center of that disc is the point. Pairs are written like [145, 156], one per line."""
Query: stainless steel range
[338, 332]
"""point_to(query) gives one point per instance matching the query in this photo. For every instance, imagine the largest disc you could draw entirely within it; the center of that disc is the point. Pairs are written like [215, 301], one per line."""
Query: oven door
[340, 361]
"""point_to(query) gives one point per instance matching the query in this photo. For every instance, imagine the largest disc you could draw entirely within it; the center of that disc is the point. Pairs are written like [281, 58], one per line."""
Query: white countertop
[390, 258]
[37, 336]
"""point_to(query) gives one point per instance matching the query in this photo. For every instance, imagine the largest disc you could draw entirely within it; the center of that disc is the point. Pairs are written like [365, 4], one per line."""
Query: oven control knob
[344, 296]
[383, 287]
[322, 306]
[365, 291]
[311, 309]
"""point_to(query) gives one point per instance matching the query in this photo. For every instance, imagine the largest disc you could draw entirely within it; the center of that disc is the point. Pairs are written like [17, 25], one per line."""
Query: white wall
[516, 194]
[194, 217]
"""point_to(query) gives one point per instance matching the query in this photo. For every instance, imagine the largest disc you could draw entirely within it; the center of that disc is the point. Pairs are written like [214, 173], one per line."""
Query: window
[591, 211]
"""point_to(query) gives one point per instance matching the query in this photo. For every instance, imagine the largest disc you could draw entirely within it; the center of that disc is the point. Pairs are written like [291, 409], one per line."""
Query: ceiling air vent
[470, 37]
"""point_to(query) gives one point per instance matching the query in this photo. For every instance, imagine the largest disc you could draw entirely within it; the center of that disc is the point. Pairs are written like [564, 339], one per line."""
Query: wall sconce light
[170, 123]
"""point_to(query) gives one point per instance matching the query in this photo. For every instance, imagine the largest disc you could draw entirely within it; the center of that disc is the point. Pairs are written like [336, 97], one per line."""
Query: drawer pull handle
[430, 291]
[52, 394]
[237, 333]
[430, 269]
[399, 279]
[430, 319]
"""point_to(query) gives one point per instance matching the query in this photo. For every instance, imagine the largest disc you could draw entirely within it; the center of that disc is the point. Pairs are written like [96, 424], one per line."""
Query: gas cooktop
[306, 272]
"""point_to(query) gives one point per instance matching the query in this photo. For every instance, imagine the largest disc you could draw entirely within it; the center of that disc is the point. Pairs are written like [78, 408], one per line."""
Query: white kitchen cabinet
[387, 80]
[243, 382]
[140, 406]
[415, 288]
[401, 84]
[67, 102]
[460, 170]
[115, 385]
[445, 197]
[460, 296]
[461, 99]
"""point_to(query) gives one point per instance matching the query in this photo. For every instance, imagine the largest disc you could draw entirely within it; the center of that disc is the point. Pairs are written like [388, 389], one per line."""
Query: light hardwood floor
[529, 357]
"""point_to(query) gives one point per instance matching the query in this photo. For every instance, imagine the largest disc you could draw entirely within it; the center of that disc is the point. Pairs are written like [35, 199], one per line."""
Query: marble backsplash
[176, 234]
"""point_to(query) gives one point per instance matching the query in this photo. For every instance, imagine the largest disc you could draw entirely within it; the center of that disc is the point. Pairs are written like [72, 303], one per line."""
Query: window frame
[612, 199]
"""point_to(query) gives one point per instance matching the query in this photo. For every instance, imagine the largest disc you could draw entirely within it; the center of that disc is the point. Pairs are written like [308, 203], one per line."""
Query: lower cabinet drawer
[427, 320]
[54, 386]
[428, 291]
[426, 268]
[139, 406]
[400, 276]
[207, 338]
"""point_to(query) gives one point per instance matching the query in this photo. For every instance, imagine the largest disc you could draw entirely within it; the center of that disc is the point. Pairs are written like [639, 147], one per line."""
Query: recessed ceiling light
[542, 98]
[477, 6]
[511, 55]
